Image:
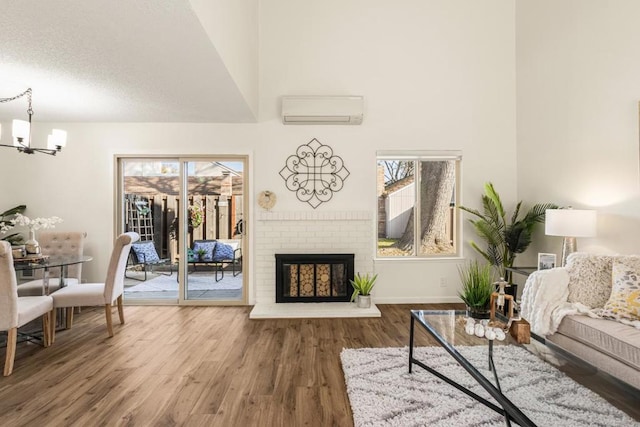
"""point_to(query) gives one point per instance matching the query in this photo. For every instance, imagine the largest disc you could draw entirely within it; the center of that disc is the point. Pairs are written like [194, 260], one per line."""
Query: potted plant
[477, 287]
[6, 224]
[362, 286]
[201, 252]
[504, 239]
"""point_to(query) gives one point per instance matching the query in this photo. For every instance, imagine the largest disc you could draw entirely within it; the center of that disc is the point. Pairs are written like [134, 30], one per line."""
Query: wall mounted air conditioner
[322, 110]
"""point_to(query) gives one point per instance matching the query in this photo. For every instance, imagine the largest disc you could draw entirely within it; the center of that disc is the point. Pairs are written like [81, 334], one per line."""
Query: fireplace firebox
[314, 277]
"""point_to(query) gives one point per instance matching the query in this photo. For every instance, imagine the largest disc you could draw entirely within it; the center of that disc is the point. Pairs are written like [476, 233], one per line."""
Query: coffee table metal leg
[411, 344]
[492, 368]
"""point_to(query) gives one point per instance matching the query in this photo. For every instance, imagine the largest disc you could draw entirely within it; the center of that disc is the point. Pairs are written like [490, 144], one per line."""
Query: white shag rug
[195, 283]
[383, 393]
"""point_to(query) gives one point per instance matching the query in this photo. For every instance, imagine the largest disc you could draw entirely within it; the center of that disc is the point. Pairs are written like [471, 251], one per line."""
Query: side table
[523, 271]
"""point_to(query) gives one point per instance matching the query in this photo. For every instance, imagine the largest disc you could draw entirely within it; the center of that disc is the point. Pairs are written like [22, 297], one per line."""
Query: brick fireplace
[309, 233]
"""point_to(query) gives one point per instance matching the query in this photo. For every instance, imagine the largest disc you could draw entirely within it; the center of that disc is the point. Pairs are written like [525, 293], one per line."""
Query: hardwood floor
[208, 366]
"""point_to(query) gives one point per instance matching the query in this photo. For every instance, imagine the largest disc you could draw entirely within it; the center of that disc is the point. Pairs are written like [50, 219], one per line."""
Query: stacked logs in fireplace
[313, 277]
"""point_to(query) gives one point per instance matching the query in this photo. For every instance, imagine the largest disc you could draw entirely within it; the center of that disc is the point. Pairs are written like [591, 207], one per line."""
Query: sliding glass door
[190, 214]
[215, 230]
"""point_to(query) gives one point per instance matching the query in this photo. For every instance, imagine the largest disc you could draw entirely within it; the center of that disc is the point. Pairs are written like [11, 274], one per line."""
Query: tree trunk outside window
[437, 181]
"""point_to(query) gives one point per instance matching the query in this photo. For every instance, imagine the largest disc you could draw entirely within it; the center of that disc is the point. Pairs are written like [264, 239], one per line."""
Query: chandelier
[22, 132]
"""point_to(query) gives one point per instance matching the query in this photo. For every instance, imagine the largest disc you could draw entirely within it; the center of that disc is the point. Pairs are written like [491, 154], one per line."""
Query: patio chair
[228, 251]
[145, 254]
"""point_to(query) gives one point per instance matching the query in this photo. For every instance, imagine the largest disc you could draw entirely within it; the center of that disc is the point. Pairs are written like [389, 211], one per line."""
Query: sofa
[591, 310]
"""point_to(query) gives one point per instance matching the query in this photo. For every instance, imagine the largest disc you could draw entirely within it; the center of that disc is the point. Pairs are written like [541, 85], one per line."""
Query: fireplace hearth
[314, 277]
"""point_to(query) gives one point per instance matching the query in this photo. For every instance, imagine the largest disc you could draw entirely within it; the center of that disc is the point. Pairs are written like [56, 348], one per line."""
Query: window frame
[421, 156]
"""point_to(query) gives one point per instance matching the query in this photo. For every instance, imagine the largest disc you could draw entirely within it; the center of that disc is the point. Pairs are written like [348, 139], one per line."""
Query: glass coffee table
[447, 328]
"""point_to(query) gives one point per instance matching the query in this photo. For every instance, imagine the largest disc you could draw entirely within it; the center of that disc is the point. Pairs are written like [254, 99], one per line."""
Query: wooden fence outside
[221, 217]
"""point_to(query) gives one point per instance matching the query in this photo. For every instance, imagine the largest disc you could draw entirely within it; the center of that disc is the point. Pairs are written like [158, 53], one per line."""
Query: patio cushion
[208, 247]
[146, 252]
[223, 252]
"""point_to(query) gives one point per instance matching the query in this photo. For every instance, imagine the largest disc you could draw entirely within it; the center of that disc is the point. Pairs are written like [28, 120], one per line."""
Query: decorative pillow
[590, 276]
[589, 279]
[624, 302]
[208, 247]
[146, 252]
[223, 252]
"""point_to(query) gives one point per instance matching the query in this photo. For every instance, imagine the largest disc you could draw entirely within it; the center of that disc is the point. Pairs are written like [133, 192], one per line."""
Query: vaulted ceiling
[125, 61]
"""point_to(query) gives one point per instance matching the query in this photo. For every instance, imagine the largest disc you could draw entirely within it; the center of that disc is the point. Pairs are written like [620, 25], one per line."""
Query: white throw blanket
[544, 301]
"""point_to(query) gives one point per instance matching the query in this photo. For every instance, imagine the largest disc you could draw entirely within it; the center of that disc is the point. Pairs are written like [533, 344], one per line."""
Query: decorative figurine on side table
[498, 299]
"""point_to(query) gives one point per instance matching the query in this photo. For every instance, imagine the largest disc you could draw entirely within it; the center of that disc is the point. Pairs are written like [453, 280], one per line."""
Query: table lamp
[570, 223]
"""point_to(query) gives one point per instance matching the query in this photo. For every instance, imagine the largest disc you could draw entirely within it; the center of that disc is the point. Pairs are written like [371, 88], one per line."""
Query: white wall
[232, 26]
[577, 98]
[434, 75]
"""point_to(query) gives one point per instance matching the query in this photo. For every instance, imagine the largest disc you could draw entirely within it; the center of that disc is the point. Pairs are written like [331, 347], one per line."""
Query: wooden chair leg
[52, 326]
[46, 329]
[69, 321]
[107, 309]
[120, 310]
[12, 339]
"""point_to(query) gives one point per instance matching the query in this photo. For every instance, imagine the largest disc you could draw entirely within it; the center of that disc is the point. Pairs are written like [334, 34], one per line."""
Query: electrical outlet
[443, 282]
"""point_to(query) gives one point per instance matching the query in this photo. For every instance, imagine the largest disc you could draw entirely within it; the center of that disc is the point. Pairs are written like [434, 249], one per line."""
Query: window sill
[416, 259]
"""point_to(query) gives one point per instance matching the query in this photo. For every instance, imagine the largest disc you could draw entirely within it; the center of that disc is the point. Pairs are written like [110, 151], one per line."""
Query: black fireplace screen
[313, 277]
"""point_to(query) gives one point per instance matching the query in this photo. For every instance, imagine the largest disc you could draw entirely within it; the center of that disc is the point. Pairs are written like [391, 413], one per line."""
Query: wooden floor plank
[205, 366]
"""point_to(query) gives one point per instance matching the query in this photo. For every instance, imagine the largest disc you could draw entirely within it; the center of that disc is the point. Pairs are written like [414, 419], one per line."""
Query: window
[417, 199]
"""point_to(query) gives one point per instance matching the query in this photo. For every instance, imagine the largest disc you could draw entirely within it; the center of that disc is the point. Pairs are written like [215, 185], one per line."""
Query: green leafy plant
[504, 239]
[195, 219]
[477, 284]
[6, 224]
[142, 207]
[196, 215]
[362, 285]
[201, 252]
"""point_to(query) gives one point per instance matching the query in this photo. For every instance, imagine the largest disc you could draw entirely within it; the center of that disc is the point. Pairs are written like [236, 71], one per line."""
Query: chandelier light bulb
[21, 131]
[60, 137]
[57, 139]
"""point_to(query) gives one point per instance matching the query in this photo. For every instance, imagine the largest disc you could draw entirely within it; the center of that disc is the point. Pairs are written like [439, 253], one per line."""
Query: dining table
[47, 263]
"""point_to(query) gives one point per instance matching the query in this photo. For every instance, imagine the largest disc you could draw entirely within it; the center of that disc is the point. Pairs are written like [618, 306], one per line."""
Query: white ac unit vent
[322, 110]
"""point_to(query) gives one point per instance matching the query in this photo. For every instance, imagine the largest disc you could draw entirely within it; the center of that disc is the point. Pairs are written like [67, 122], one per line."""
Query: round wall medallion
[266, 199]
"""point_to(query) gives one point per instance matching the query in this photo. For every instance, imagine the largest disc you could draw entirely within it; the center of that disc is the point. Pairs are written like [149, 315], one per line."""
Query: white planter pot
[364, 301]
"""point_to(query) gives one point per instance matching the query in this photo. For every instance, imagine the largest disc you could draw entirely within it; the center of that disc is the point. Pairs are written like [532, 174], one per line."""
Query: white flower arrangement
[5, 226]
[34, 224]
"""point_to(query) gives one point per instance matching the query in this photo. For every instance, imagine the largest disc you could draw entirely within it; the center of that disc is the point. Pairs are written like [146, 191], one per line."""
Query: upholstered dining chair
[102, 294]
[17, 311]
[56, 243]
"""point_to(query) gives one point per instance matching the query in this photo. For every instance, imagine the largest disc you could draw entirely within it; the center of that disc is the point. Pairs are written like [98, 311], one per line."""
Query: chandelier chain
[26, 93]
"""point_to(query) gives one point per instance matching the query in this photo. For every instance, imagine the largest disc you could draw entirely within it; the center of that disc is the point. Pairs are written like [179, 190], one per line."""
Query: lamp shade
[570, 222]
[57, 139]
[21, 129]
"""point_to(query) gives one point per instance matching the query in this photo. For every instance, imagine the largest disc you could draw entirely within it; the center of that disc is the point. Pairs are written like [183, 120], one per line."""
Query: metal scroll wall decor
[314, 173]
